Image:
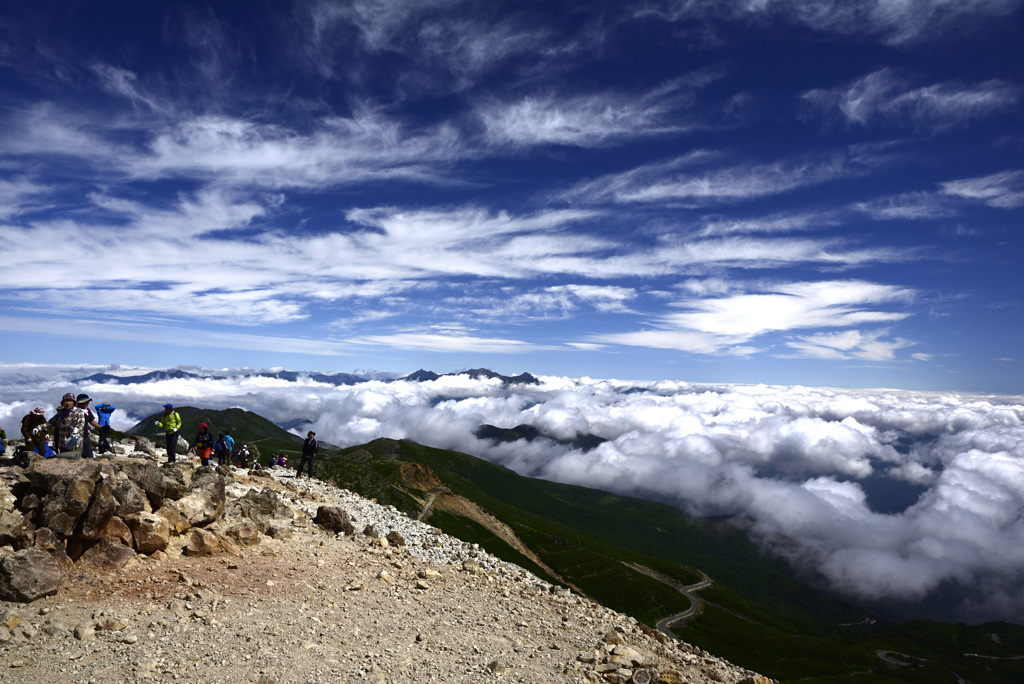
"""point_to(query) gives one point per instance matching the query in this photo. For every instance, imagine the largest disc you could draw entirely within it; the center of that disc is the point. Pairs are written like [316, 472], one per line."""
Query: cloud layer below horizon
[888, 495]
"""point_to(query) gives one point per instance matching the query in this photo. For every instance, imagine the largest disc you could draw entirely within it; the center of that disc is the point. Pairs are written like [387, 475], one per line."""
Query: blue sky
[816, 193]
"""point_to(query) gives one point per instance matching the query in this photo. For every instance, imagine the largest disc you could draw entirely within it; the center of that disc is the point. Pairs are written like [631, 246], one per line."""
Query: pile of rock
[57, 512]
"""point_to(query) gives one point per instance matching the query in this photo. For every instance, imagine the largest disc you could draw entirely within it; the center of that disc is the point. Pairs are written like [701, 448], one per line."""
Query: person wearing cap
[82, 402]
[103, 412]
[33, 429]
[310, 447]
[67, 425]
[203, 444]
[170, 423]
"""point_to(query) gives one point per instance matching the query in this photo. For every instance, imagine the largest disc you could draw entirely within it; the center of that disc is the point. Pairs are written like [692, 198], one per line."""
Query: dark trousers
[303, 461]
[86, 445]
[222, 457]
[172, 447]
[104, 446]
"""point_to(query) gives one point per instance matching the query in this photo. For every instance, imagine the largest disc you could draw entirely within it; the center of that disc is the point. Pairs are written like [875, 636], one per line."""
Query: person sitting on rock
[203, 444]
[67, 425]
[33, 430]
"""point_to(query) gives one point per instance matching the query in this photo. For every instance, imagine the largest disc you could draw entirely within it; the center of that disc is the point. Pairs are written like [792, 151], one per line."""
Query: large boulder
[65, 488]
[150, 532]
[264, 507]
[177, 521]
[27, 575]
[118, 532]
[150, 480]
[101, 510]
[206, 543]
[334, 519]
[244, 533]
[16, 530]
[56, 546]
[174, 481]
[65, 503]
[205, 499]
[108, 555]
[130, 496]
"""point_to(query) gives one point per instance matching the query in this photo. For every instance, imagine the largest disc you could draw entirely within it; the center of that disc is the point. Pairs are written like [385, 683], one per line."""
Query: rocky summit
[131, 570]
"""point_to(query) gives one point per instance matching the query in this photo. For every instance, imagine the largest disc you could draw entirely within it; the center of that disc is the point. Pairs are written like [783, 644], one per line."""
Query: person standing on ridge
[310, 447]
[82, 402]
[229, 446]
[170, 423]
[220, 450]
[103, 412]
[203, 444]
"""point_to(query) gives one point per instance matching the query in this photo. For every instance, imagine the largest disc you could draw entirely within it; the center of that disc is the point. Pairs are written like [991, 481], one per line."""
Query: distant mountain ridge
[337, 379]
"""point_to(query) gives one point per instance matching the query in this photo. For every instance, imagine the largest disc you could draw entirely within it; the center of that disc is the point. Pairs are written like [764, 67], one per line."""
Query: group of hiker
[68, 431]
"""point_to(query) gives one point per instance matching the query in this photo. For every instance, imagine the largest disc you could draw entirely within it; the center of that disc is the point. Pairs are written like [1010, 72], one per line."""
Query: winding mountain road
[687, 590]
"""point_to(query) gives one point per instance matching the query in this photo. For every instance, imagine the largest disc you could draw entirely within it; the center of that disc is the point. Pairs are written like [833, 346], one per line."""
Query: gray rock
[98, 514]
[28, 575]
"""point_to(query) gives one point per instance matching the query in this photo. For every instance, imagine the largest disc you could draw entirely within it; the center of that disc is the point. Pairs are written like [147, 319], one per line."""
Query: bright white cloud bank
[803, 464]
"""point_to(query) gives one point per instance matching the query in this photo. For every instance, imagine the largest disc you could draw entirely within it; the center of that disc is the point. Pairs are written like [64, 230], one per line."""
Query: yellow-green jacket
[170, 422]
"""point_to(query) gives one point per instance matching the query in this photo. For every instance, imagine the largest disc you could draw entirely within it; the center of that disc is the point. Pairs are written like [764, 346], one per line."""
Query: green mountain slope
[757, 614]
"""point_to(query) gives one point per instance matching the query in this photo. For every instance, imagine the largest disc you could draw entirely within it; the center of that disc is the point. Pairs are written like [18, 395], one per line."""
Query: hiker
[103, 412]
[229, 446]
[203, 444]
[310, 447]
[67, 425]
[243, 456]
[82, 402]
[33, 430]
[170, 422]
[3, 442]
[220, 450]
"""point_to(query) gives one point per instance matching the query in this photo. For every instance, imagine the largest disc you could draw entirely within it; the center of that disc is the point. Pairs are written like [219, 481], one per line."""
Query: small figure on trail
[103, 412]
[310, 447]
[229, 446]
[220, 450]
[243, 456]
[67, 425]
[203, 444]
[33, 430]
[170, 422]
[3, 443]
[82, 402]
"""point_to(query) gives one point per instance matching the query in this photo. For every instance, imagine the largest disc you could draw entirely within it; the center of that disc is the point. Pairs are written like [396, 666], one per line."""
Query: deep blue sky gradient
[817, 193]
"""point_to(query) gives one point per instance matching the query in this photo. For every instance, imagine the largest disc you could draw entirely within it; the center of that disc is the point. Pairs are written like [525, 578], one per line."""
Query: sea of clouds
[888, 495]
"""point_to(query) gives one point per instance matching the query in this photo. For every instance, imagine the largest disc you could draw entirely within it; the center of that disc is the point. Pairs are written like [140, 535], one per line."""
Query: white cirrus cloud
[888, 95]
[1004, 190]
